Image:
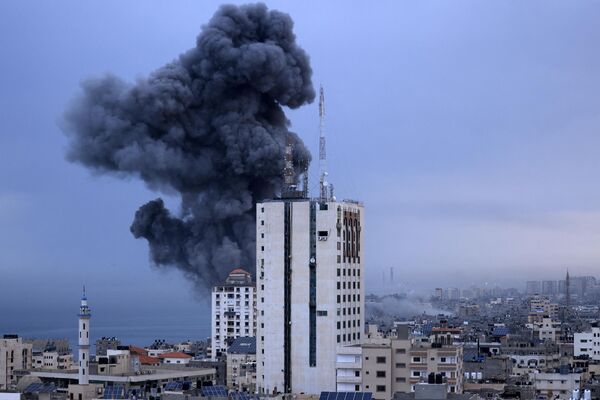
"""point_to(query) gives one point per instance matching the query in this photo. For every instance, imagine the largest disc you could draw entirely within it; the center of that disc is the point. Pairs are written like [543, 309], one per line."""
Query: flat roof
[162, 374]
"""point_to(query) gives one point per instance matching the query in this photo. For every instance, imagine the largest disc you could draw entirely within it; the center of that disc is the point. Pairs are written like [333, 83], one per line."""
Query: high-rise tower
[84, 340]
[310, 291]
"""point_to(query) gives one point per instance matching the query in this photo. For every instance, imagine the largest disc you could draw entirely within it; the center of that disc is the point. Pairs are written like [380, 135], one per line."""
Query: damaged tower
[310, 291]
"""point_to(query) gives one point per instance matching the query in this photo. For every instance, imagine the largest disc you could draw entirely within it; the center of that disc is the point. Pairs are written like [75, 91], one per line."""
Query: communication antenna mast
[324, 192]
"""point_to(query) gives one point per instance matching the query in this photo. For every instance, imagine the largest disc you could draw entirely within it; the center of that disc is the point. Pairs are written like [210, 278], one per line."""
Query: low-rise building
[588, 343]
[52, 356]
[15, 355]
[555, 385]
[241, 365]
[175, 357]
[387, 365]
[106, 343]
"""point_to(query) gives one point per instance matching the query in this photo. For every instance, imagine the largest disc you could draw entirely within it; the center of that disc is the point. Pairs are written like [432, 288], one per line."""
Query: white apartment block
[310, 291]
[587, 343]
[15, 355]
[233, 311]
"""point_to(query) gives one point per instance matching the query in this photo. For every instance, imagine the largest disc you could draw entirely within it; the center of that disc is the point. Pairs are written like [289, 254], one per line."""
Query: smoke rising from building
[210, 126]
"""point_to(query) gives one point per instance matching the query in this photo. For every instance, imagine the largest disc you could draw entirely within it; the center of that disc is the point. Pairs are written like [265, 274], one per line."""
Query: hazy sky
[471, 131]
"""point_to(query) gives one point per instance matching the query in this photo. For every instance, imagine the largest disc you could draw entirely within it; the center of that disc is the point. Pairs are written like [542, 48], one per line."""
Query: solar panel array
[40, 388]
[346, 396]
[114, 392]
[214, 391]
[175, 386]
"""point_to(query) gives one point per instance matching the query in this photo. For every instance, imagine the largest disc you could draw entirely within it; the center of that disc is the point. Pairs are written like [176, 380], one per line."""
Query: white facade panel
[339, 302]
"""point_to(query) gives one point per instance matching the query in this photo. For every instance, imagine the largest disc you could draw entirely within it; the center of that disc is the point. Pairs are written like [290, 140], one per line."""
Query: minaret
[568, 293]
[84, 340]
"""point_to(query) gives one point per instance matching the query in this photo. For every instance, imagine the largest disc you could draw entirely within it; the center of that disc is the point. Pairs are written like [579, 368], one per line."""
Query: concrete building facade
[587, 343]
[233, 311]
[384, 366]
[15, 355]
[241, 365]
[310, 291]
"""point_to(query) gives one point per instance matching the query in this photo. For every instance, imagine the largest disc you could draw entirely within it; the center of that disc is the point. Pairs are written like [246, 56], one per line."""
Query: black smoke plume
[209, 126]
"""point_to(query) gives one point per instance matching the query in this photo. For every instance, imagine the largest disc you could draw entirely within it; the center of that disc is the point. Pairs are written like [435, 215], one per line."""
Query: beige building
[547, 329]
[241, 365]
[541, 307]
[385, 366]
[554, 385]
[52, 356]
[15, 355]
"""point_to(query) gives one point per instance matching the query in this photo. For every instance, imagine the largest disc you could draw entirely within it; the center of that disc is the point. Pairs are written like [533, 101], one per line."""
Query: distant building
[533, 287]
[549, 288]
[541, 307]
[106, 343]
[175, 357]
[241, 365]
[547, 329]
[15, 355]
[233, 311]
[52, 356]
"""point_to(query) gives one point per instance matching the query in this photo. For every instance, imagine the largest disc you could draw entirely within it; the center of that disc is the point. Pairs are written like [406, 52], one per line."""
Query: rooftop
[243, 345]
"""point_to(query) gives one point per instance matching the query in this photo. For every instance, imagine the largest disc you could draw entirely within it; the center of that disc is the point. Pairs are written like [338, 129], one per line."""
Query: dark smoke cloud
[210, 126]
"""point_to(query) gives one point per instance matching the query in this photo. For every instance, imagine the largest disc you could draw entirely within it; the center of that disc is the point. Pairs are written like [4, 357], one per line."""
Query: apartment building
[53, 358]
[15, 355]
[310, 291]
[241, 365]
[541, 307]
[547, 329]
[587, 343]
[385, 366]
[233, 311]
[555, 385]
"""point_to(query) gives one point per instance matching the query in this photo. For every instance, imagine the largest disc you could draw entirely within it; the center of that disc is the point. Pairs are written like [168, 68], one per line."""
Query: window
[400, 379]
[415, 374]
[380, 388]
[262, 222]
[357, 388]
[262, 209]
[356, 373]
[400, 365]
[380, 360]
[416, 360]
[400, 351]
[380, 374]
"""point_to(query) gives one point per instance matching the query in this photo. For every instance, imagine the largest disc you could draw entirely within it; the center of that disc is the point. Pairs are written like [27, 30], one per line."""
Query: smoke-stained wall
[208, 125]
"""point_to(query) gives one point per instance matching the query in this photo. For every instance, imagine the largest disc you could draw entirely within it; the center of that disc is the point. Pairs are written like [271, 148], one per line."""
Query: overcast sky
[469, 129]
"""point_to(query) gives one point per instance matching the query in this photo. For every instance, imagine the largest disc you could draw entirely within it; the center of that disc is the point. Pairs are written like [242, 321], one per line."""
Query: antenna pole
[323, 190]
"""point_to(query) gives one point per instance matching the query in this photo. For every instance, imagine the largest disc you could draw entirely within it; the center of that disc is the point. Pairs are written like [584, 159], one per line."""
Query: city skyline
[473, 153]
